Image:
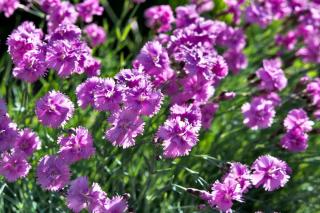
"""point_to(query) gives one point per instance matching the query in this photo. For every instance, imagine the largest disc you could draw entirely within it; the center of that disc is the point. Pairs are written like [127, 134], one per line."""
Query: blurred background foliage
[157, 185]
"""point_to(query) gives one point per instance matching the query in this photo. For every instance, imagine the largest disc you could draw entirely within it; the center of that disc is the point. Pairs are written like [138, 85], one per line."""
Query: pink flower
[54, 109]
[8, 7]
[177, 137]
[76, 146]
[207, 114]
[96, 34]
[27, 142]
[298, 118]
[88, 9]
[118, 204]
[126, 126]
[8, 133]
[78, 194]
[241, 174]
[295, 140]
[269, 172]
[13, 166]
[159, 18]
[52, 173]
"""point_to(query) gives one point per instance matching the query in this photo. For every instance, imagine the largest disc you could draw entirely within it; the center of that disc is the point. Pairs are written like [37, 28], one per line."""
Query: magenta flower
[8, 133]
[288, 41]
[273, 97]
[269, 172]
[203, 5]
[159, 18]
[186, 15]
[96, 34]
[313, 91]
[85, 92]
[32, 66]
[52, 173]
[88, 9]
[223, 194]
[258, 114]
[65, 55]
[190, 113]
[8, 7]
[98, 199]
[118, 204]
[177, 137]
[298, 118]
[207, 114]
[54, 109]
[92, 66]
[13, 166]
[236, 60]
[61, 13]
[47, 5]
[295, 140]
[107, 96]
[155, 61]
[272, 76]
[27, 142]
[126, 126]
[240, 173]
[76, 146]
[78, 194]
[23, 39]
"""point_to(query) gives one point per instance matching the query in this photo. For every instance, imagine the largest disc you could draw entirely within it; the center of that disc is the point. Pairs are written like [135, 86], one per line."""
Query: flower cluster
[266, 171]
[63, 51]
[259, 113]
[16, 146]
[81, 196]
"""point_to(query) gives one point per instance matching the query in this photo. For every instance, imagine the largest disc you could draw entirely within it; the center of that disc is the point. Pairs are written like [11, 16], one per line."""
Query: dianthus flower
[203, 5]
[223, 194]
[8, 133]
[117, 204]
[76, 146]
[236, 60]
[96, 34]
[241, 174]
[269, 172]
[23, 39]
[208, 111]
[298, 118]
[258, 114]
[66, 53]
[272, 76]
[27, 142]
[85, 92]
[155, 61]
[288, 41]
[62, 13]
[92, 66]
[186, 15]
[13, 166]
[126, 126]
[98, 199]
[54, 109]
[77, 197]
[313, 91]
[159, 18]
[32, 66]
[47, 5]
[295, 140]
[107, 95]
[190, 113]
[8, 7]
[177, 137]
[52, 173]
[88, 8]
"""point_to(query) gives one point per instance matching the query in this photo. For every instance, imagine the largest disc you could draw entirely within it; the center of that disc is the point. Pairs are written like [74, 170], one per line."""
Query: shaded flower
[295, 140]
[118, 204]
[270, 173]
[177, 137]
[208, 111]
[186, 15]
[13, 166]
[76, 146]
[126, 126]
[78, 192]
[52, 173]
[54, 109]
[27, 142]
[88, 8]
[96, 34]
[159, 18]
[8, 133]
